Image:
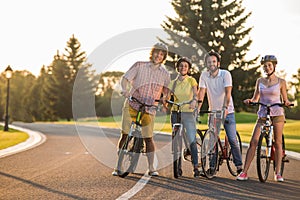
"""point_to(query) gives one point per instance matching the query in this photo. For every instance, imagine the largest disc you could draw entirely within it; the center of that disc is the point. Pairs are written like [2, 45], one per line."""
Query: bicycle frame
[134, 144]
[177, 135]
[266, 153]
[212, 157]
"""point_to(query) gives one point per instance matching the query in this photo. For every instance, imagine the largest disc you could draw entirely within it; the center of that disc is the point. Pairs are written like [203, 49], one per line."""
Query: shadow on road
[224, 188]
[42, 187]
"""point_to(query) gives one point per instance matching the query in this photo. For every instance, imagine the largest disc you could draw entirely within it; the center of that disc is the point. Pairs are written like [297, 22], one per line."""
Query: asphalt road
[63, 168]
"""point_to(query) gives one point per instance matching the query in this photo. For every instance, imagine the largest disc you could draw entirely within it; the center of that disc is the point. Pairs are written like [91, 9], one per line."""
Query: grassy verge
[11, 137]
[245, 125]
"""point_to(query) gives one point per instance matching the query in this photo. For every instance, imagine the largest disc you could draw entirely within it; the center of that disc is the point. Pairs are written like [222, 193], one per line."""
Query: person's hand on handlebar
[287, 103]
[193, 104]
[247, 101]
[164, 105]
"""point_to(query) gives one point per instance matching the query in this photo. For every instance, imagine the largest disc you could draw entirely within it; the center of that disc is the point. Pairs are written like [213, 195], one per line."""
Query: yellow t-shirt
[183, 92]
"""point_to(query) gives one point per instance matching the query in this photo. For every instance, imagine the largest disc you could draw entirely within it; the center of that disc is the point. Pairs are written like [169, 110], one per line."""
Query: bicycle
[177, 137]
[213, 151]
[265, 148]
[133, 146]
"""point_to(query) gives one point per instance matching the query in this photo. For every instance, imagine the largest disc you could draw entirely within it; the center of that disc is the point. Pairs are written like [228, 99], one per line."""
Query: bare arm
[256, 95]
[227, 96]
[201, 95]
[195, 97]
[283, 92]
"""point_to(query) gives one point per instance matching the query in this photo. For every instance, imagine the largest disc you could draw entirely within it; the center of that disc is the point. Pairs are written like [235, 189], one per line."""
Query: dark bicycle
[213, 150]
[265, 148]
[133, 146]
[177, 137]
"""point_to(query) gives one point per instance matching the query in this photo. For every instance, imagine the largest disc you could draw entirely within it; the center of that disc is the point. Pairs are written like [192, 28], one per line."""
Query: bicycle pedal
[285, 160]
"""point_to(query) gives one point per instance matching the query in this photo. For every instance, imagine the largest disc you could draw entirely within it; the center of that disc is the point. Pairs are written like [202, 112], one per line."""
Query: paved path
[63, 168]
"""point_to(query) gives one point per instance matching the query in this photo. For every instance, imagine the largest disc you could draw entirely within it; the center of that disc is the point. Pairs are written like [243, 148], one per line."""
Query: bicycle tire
[177, 155]
[230, 164]
[129, 155]
[262, 159]
[283, 158]
[199, 138]
[209, 154]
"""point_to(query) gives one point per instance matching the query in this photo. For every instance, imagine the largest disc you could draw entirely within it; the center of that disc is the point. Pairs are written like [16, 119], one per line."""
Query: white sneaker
[153, 173]
[115, 172]
[278, 178]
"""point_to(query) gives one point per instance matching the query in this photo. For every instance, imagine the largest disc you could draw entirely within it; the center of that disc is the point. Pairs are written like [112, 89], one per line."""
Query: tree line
[200, 26]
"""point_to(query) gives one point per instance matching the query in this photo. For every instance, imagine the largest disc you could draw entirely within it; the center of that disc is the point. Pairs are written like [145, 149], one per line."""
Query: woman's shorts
[274, 119]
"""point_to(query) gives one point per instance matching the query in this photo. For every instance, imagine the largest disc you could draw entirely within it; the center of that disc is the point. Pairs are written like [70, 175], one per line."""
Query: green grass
[245, 124]
[11, 137]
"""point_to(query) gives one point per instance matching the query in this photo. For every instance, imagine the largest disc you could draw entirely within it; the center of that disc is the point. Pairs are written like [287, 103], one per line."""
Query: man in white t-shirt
[217, 84]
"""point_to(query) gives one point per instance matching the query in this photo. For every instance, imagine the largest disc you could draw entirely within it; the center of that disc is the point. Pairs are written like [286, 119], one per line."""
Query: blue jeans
[189, 127]
[230, 128]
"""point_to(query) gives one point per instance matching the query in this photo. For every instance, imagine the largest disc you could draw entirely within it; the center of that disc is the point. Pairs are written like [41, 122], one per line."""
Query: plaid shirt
[147, 83]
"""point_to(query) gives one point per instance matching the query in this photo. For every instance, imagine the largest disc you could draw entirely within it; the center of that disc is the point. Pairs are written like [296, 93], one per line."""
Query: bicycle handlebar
[131, 98]
[179, 104]
[209, 111]
[269, 105]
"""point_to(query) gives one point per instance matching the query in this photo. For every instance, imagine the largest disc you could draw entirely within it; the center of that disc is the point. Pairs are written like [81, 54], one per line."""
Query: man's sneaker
[153, 173]
[201, 173]
[196, 173]
[278, 178]
[242, 177]
[115, 172]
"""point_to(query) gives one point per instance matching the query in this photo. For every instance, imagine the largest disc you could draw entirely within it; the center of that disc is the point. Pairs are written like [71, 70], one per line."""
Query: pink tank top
[270, 95]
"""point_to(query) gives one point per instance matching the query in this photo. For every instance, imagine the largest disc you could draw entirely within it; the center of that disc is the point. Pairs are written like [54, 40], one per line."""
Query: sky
[32, 31]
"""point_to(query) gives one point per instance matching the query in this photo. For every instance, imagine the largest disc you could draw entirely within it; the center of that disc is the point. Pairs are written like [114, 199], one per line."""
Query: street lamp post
[8, 74]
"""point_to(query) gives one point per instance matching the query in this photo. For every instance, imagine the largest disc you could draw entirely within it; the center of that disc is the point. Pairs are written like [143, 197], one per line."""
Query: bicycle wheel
[177, 148]
[262, 159]
[129, 155]
[230, 164]
[283, 158]
[209, 154]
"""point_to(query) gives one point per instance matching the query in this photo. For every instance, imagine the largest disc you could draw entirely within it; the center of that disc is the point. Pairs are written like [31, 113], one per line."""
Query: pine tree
[294, 113]
[56, 92]
[203, 25]
[60, 79]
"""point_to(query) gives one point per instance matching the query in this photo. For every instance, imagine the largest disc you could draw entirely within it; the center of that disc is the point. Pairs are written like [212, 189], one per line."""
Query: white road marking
[136, 188]
[140, 184]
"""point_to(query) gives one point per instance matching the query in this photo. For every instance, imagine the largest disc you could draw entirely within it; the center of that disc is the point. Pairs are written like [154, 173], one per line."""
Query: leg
[189, 124]
[230, 128]
[147, 133]
[150, 149]
[251, 150]
[127, 113]
[278, 130]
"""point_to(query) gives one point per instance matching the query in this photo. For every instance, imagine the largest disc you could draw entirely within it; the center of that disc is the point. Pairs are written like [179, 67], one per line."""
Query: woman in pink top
[268, 90]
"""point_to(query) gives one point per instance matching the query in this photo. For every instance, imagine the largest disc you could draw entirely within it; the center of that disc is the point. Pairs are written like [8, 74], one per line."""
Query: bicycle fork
[177, 136]
[268, 130]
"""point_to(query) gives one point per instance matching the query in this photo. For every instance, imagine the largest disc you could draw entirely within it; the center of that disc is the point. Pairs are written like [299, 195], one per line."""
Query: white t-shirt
[215, 88]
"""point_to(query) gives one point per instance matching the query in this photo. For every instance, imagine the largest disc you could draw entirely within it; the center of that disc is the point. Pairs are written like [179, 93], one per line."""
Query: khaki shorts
[274, 119]
[129, 115]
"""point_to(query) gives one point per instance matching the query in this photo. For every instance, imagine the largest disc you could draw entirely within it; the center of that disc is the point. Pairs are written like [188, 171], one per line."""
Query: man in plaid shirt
[148, 80]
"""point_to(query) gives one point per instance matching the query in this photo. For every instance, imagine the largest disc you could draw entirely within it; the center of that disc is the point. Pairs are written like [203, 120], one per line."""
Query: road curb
[35, 138]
